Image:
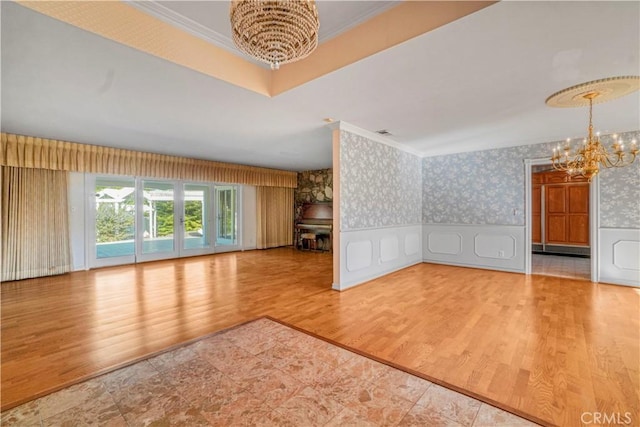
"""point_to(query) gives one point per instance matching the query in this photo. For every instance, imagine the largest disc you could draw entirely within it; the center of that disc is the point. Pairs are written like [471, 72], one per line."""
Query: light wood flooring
[562, 266]
[544, 347]
[260, 373]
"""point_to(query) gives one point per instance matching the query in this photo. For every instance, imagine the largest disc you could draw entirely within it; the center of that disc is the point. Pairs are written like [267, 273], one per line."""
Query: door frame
[594, 218]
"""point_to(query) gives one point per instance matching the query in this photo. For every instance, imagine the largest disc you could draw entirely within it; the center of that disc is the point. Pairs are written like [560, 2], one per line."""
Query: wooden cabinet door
[566, 209]
[578, 195]
[537, 178]
[536, 214]
[556, 214]
[555, 177]
[578, 214]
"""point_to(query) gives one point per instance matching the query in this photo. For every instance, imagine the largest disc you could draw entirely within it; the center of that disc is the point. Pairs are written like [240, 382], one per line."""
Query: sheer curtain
[35, 223]
[274, 216]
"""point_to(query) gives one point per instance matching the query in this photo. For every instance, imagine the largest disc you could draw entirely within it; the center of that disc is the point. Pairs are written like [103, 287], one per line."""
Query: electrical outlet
[501, 254]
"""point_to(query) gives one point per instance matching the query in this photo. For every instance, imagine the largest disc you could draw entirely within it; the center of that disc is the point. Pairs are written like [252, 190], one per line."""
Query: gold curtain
[275, 217]
[40, 153]
[35, 223]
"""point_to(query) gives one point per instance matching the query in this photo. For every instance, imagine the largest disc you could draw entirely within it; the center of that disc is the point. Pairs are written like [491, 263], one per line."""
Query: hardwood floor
[561, 266]
[546, 347]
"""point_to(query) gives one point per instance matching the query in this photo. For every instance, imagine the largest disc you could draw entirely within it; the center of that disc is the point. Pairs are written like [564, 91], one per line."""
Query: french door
[157, 231]
[196, 218]
[111, 230]
[135, 219]
[226, 217]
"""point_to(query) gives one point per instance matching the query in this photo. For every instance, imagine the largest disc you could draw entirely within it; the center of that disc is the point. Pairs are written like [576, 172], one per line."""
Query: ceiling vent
[383, 132]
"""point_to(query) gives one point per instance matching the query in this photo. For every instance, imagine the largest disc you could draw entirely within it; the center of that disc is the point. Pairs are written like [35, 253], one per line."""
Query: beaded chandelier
[591, 155]
[275, 31]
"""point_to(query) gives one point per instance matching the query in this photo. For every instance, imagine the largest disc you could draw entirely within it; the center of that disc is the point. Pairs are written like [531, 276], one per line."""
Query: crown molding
[342, 125]
[359, 19]
[157, 10]
[194, 28]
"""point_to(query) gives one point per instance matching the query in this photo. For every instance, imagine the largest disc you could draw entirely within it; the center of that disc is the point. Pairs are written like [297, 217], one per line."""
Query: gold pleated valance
[41, 153]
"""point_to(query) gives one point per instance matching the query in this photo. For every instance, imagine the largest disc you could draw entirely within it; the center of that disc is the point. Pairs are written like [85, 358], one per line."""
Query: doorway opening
[561, 223]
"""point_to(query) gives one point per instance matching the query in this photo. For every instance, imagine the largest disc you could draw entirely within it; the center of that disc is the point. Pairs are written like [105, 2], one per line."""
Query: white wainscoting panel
[620, 256]
[495, 247]
[412, 244]
[447, 243]
[367, 254]
[359, 255]
[389, 248]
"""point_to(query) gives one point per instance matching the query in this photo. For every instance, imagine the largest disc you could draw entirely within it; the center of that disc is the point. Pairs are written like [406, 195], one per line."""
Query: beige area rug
[261, 373]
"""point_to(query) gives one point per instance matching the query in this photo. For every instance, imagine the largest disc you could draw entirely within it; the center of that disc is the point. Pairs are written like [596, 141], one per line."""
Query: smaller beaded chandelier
[275, 31]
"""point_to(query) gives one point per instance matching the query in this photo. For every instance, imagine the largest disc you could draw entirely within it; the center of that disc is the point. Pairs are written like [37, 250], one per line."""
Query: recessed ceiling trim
[357, 20]
[169, 16]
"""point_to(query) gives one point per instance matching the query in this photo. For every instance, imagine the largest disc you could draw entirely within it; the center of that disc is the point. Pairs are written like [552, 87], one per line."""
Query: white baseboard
[458, 264]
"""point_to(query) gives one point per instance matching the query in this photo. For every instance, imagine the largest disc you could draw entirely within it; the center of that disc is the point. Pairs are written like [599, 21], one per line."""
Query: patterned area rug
[261, 373]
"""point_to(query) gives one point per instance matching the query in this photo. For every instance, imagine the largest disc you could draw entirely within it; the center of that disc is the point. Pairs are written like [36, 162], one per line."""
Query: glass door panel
[115, 216]
[158, 217]
[195, 217]
[143, 220]
[227, 215]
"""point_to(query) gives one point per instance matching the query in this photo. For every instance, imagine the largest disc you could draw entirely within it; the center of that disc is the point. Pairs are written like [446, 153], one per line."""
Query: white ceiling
[477, 83]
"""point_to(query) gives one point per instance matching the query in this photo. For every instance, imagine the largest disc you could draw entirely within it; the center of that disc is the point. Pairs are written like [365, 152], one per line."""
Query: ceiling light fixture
[276, 32]
[589, 156]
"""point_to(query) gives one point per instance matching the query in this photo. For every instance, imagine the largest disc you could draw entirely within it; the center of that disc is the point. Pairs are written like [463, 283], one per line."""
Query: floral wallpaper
[487, 187]
[380, 184]
[620, 194]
